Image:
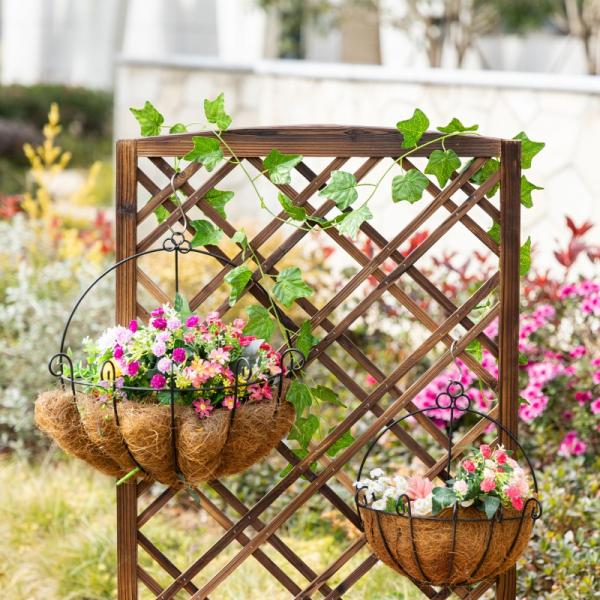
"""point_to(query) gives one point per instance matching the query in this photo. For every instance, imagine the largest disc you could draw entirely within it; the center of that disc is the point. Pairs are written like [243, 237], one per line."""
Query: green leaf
[260, 322]
[215, 112]
[240, 237]
[413, 129]
[442, 497]
[409, 186]
[178, 128]
[455, 126]
[303, 430]
[341, 189]
[207, 150]
[299, 395]
[490, 505]
[279, 166]
[523, 358]
[218, 199]
[529, 149]
[489, 167]
[442, 163]
[181, 305]
[237, 278]
[326, 394]
[301, 453]
[526, 188]
[296, 213]
[351, 222]
[525, 258]
[475, 349]
[206, 233]
[161, 213]
[149, 119]
[290, 286]
[494, 232]
[345, 440]
[305, 340]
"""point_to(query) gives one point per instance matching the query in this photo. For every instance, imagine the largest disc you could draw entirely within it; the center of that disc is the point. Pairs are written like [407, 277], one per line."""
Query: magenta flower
[159, 323]
[179, 355]
[158, 381]
[133, 368]
[572, 445]
[595, 406]
[118, 352]
[157, 312]
[202, 407]
[192, 321]
[133, 325]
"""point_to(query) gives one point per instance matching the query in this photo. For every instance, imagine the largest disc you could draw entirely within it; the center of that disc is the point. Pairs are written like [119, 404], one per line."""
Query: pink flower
[158, 381]
[159, 348]
[468, 465]
[192, 321]
[501, 457]
[246, 340]
[202, 407]
[179, 355]
[159, 323]
[572, 445]
[173, 323]
[164, 364]
[517, 503]
[188, 338]
[239, 323]
[133, 368]
[596, 377]
[513, 491]
[133, 325]
[485, 450]
[577, 352]
[487, 485]
[418, 487]
[230, 402]
[461, 487]
[157, 312]
[118, 352]
[219, 356]
[370, 380]
[583, 397]
[595, 406]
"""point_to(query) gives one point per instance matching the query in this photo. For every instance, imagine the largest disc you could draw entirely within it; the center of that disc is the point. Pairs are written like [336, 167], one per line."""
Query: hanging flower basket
[471, 528]
[180, 400]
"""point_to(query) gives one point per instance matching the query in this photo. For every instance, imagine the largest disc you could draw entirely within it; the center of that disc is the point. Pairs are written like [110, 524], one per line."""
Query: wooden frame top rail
[319, 140]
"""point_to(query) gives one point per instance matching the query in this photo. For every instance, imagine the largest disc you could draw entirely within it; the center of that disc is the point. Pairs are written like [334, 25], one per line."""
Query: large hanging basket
[166, 442]
[460, 545]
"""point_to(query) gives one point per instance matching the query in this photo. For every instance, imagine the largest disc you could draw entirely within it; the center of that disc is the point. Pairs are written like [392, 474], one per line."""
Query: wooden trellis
[340, 144]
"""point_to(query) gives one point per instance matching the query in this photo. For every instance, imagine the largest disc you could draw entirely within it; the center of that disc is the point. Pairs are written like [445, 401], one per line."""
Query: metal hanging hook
[178, 203]
[455, 359]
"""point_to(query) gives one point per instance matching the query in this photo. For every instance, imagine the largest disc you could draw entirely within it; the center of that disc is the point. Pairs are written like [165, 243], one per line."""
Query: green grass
[57, 528]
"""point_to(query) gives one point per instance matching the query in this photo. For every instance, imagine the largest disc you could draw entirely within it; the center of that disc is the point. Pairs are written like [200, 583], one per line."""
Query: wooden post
[126, 230]
[510, 208]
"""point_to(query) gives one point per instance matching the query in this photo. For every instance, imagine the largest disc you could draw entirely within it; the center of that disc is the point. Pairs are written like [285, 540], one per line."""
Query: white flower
[375, 473]
[379, 504]
[490, 464]
[460, 487]
[421, 506]
[489, 474]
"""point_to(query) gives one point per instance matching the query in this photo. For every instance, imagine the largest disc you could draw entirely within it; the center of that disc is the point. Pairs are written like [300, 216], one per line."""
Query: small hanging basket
[166, 442]
[459, 545]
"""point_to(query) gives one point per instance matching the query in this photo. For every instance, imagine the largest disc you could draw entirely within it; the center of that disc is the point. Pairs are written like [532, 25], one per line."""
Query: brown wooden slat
[151, 287]
[143, 486]
[319, 140]
[155, 506]
[349, 581]
[149, 581]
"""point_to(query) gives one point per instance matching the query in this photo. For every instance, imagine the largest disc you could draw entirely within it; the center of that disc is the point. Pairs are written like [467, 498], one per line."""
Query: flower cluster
[181, 351]
[486, 479]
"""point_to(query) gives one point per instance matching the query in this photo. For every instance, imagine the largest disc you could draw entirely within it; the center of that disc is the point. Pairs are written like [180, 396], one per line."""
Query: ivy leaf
[240, 237]
[342, 189]
[299, 395]
[526, 188]
[178, 128]
[279, 166]
[215, 112]
[523, 358]
[218, 199]
[260, 322]
[149, 119]
[161, 213]
[296, 213]
[326, 394]
[206, 233]
[409, 186]
[442, 497]
[413, 129]
[301, 453]
[181, 305]
[290, 286]
[494, 232]
[529, 149]
[525, 258]
[489, 167]
[303, 430]
[345, 440]
[207, 150]
[353, 220]
[455, 126]
[305, 340]
[237, 278]
[442, 163]
[475, 349]
[490, 505]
